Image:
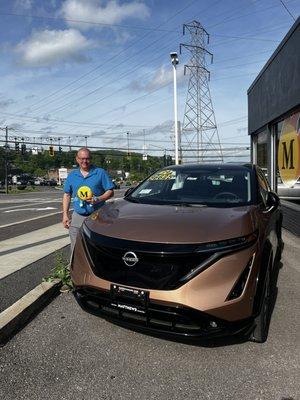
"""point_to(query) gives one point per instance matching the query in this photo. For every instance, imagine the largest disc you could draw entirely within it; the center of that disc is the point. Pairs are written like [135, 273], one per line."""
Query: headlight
[229, 244]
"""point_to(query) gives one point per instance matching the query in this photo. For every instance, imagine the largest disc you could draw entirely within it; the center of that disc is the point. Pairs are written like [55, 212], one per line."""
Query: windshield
[211, 186]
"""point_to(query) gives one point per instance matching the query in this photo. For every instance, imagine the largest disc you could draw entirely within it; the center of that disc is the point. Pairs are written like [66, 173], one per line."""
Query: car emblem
[130, 259]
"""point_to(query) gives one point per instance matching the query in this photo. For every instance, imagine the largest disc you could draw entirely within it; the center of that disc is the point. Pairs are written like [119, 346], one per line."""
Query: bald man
[90, 187]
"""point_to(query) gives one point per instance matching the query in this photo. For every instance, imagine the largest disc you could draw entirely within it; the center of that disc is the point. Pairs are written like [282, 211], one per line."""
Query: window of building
[262, 150]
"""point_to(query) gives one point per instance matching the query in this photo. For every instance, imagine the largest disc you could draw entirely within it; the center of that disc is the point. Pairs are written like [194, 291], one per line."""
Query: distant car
[38, 182]
[52, 182]
[288, 193]
[190, 252]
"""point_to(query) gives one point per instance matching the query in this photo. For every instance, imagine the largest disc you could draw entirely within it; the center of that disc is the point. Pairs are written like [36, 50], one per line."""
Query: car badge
[130, 259]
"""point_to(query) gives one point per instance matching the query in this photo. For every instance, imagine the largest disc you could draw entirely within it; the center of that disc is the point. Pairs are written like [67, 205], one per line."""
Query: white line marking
[27, 250]
[32, 219]
[30, 209]
[31, 204]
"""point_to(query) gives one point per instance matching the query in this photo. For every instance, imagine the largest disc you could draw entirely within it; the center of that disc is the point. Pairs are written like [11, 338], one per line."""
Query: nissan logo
[130, 258]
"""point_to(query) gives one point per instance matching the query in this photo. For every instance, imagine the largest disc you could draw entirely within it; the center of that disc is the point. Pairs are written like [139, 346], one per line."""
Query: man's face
[83, 159]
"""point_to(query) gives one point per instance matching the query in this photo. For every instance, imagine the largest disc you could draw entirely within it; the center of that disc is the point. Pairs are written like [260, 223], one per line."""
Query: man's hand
[66, 204]
[105, 196]
[66, 220]
[93, 200]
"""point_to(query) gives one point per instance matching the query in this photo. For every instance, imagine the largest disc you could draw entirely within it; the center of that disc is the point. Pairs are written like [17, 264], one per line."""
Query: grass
[14, 190]
[60, 271]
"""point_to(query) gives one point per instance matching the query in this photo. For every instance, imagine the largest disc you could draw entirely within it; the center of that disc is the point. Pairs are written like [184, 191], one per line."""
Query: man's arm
[66, 205]
[105, 196]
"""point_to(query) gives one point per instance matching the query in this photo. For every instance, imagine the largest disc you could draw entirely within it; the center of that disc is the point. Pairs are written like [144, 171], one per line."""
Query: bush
[60, 271]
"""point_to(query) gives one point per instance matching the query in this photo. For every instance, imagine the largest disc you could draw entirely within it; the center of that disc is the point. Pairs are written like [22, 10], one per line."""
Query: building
[274, 122]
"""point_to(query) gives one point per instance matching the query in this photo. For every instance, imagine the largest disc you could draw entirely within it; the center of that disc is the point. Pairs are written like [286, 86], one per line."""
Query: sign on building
[62, 175]
[289, 150]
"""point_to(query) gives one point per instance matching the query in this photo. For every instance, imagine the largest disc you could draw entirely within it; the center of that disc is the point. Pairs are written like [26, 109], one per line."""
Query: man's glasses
[84, 159]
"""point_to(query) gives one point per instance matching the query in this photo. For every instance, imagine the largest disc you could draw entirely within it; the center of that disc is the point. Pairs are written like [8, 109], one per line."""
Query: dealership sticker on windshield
[164, 175]
[145, 191]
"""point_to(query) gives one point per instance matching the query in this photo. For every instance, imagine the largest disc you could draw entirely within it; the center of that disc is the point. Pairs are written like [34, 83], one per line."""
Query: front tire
[262, 321]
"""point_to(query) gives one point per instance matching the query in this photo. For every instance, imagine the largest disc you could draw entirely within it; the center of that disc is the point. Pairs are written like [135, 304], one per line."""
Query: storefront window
[288, 153]
[262, 150]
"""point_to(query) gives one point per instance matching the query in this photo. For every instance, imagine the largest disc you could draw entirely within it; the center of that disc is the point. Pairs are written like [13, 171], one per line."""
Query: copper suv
[189, 252]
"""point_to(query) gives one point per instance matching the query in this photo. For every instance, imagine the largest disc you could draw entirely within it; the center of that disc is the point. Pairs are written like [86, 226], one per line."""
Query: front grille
[163, 269]
[160, 318]
[157, 316]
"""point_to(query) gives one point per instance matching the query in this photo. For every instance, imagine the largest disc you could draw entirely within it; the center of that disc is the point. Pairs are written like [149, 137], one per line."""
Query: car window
[209, 186]
[263, 185]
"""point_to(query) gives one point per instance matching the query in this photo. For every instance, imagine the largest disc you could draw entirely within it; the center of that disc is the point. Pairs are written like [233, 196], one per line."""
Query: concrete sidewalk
[16, 253]
[24, 261]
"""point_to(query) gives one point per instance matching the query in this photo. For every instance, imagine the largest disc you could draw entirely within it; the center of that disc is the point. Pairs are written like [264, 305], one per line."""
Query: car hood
[171, 224]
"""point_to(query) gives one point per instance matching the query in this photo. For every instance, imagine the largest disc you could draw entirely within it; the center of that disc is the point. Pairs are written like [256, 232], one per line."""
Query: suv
[189, 252]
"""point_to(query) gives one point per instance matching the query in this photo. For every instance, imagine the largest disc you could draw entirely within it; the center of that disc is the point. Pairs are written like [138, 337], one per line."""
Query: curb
[15, 317]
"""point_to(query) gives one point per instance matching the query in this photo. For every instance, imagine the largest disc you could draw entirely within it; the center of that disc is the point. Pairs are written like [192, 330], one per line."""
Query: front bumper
[159, 318]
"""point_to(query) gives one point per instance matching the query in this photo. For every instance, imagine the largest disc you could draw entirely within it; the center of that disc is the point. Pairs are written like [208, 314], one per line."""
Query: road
[30, 233]
[65, 353]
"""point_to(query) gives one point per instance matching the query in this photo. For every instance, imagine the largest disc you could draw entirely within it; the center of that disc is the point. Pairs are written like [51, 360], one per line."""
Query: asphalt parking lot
[65, 353]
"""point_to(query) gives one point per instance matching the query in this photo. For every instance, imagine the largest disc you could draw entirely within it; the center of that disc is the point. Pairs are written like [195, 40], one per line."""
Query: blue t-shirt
[97, 182]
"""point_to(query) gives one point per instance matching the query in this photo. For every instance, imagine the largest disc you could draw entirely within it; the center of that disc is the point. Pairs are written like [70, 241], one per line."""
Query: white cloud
[6, 102]
[23, 4]
[96, 11]
[161, 77]
[47, 47]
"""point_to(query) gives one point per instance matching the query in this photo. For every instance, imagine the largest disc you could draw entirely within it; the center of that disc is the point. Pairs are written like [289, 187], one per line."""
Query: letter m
[83, 194]
[288, 155]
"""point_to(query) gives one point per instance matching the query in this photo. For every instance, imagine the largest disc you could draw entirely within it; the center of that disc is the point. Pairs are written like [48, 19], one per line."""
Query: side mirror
[129, 190]
[272, 199]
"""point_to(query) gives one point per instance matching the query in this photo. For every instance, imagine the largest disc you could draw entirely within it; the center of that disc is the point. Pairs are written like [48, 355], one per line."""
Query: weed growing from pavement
[61, 271]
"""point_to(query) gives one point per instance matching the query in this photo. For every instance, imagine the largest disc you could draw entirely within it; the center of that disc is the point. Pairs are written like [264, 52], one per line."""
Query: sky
[90, 71]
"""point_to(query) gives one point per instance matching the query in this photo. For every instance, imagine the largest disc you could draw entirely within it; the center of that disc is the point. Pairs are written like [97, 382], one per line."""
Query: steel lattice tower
[199, 138]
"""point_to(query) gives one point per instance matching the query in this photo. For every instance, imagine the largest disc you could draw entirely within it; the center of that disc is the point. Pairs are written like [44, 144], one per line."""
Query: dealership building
[274, 124]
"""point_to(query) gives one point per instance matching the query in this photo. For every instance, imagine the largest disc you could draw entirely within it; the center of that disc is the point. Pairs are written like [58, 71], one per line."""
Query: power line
[61, 108]
[114, 56]
[136, 68]
[287, 10]
[92, 80]
[244, 15]
[144, 28]
[88, 124]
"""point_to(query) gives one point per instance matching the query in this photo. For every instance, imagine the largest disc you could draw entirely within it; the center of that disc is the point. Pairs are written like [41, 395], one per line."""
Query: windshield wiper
[186, 204]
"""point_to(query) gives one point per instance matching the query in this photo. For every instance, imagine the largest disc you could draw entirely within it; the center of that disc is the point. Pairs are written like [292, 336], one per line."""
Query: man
[90, 187]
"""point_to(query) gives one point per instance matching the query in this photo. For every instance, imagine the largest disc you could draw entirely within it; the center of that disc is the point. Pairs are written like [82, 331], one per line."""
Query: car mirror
[272, 199]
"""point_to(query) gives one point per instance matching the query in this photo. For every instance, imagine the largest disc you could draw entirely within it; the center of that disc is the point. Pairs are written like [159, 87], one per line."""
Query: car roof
[224, 166]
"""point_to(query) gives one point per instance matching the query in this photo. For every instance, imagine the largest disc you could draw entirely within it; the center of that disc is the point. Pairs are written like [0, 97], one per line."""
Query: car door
[270, 211]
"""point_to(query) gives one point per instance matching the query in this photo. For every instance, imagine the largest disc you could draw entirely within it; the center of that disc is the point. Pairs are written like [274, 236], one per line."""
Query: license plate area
[128, 299]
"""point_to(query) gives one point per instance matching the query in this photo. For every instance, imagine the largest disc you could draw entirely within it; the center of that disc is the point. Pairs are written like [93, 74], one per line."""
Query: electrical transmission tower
[200, 138]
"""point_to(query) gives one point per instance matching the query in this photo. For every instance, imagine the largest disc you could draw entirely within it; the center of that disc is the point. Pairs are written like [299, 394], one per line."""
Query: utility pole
[174, 60]
[144, 147]
[6, 160]
[128, 153]
[199, 123]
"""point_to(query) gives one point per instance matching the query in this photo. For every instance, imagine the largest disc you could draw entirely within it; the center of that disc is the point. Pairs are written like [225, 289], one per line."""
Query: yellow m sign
[289, 151]
[84, 193]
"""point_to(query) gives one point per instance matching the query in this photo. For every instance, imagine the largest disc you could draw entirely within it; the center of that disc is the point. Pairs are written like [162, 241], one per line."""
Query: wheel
[260, 332]
[280, 244]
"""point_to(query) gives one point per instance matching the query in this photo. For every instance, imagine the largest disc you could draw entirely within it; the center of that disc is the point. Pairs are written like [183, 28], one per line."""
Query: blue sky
[99, 68]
